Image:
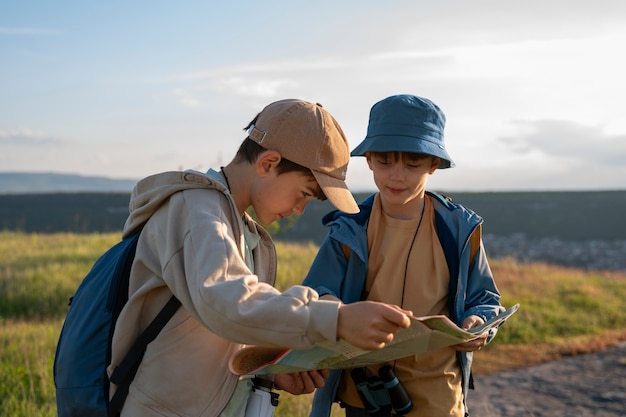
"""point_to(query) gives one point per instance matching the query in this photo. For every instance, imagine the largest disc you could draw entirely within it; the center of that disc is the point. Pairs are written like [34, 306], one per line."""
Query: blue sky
[533, 91]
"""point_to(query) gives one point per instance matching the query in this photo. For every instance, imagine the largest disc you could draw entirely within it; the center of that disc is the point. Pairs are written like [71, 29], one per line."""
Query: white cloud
[561, 139]
[256, 87]
[186, 98]
[26, 137]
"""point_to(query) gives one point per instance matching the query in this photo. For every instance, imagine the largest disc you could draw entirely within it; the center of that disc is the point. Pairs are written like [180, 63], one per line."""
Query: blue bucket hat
[406, 123]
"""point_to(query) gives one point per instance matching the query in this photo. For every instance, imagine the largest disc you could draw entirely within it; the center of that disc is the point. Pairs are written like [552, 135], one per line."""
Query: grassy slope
[563, 312]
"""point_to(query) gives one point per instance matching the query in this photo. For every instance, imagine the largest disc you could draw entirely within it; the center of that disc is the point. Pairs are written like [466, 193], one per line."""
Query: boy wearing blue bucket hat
[413, 248]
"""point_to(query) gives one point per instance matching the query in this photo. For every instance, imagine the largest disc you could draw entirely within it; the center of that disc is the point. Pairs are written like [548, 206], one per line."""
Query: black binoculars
[383, 392]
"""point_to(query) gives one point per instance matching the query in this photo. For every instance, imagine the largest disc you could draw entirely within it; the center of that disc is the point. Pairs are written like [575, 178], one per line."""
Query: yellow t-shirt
[432, 379]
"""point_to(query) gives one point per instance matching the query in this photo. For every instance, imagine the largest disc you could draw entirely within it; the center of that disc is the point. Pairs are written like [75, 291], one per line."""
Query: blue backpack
[84, 348]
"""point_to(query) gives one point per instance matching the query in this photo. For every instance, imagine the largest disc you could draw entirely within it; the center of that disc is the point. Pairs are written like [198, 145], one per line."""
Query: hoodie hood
[151, 192]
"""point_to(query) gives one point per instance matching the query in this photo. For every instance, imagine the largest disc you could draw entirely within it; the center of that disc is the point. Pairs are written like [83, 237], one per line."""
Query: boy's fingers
[317, 378]
[307, 381]
[398, 316]
[371, 325]
[471, 322]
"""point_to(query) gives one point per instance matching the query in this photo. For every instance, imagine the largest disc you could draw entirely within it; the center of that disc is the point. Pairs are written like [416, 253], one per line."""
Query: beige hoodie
[192, 245]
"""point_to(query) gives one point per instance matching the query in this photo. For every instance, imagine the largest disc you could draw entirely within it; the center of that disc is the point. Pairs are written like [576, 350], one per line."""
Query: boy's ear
[434, 164]
[368, 158]
[266, 161]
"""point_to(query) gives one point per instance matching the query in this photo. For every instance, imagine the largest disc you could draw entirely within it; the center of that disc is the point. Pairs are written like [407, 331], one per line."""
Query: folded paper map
[424, 334]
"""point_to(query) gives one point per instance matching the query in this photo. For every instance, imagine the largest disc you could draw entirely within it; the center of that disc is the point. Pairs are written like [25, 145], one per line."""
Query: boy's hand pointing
[371, 325]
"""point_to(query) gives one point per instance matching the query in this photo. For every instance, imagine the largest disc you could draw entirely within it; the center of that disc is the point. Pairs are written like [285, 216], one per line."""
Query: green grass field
[563, 312]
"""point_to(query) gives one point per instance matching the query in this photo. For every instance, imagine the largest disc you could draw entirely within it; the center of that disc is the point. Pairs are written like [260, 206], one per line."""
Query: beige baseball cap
[307, 134]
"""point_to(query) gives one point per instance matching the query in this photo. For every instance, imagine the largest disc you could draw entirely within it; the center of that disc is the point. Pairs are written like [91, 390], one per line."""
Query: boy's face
[401, 177]
[277, 196]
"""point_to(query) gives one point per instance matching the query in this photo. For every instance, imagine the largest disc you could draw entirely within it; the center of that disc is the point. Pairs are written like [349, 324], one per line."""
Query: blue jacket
[472, 287]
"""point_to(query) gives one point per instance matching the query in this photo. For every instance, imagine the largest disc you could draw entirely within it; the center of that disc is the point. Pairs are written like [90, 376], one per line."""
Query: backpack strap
[125, 372]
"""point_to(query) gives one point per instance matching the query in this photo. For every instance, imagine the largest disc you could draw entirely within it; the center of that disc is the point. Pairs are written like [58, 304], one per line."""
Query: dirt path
[581, 386]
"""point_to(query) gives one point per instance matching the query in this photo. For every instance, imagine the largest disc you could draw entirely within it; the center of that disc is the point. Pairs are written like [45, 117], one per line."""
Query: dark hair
[249, 150]
[412, 156]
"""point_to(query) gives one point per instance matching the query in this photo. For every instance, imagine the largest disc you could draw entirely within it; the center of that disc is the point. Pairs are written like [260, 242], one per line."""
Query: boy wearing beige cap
[199, 244]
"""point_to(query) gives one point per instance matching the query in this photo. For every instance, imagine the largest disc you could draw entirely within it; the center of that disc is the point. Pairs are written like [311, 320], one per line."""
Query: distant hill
[581, 229]
[28, 183]
[565, 215]
[568, 215]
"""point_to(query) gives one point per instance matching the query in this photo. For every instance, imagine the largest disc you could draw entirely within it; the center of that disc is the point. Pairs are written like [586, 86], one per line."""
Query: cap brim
[337, 192]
